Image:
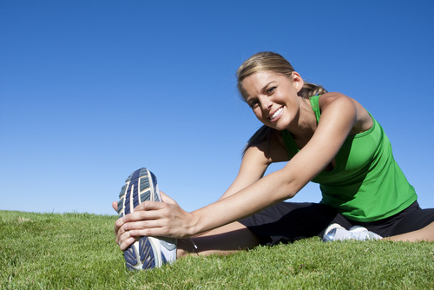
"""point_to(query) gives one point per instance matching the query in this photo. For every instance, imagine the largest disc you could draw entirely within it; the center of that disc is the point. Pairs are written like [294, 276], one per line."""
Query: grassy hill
[77, 251]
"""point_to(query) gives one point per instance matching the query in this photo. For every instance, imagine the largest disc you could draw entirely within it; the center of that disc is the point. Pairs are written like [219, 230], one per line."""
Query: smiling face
[273, 97]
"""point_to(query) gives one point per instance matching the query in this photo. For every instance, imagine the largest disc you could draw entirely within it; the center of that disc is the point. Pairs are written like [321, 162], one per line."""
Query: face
[273, 97]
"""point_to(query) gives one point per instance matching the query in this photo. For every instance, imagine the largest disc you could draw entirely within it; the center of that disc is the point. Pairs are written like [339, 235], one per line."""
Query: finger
[144, 215]
[115, 205]
[118, 225]
[127, 243]
[119, 222]
[142, 226]
[153, 228]
[153, 232]
[167, 199]
[120, 231]
[122, 237]
[123, 245]
[150, 205]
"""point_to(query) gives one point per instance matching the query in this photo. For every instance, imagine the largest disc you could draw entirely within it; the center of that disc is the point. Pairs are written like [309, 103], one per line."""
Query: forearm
[243, 181]
[271, 189]
[265, 192]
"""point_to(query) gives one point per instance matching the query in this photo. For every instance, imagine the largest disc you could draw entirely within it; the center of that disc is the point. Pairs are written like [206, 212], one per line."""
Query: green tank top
[366, 183]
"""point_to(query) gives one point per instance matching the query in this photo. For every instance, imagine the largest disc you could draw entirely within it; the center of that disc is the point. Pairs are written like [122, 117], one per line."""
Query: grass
[77, 251]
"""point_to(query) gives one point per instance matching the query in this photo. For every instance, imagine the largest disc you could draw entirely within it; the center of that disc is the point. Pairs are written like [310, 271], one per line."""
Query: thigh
[414, 221]
[286, 222]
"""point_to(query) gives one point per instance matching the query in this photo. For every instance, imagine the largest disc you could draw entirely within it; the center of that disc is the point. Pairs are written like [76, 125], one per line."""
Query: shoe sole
[140, 186]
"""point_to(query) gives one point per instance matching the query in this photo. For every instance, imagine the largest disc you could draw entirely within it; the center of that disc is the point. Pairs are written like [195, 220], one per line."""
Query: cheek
[283, 98]
[258, 114]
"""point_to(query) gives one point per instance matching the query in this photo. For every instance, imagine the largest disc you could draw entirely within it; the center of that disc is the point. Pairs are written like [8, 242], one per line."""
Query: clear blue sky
[92, 90]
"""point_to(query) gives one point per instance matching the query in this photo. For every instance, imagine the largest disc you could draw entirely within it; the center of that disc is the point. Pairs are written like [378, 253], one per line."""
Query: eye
[253, 104]
[271, 90]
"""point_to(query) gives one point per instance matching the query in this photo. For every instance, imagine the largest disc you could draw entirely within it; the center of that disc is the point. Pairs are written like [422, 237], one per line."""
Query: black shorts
[287, 221]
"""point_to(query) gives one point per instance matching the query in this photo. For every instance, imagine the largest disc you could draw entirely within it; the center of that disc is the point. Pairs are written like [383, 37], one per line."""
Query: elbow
[291, 186]
[290, 189]
[285, 185]
[290, 194]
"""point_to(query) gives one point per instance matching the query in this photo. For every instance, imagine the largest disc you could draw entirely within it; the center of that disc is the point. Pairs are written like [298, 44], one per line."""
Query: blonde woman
[325, 137]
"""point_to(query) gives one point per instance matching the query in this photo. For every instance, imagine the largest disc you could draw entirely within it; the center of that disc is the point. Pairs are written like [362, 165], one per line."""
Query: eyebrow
[266, 86]
[262, 90]
[249, 99]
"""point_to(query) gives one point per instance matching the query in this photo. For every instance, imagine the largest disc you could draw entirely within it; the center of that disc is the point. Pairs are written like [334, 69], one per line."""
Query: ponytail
[309, 90]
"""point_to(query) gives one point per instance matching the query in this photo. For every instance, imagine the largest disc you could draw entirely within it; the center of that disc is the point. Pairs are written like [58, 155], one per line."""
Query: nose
[266, 103]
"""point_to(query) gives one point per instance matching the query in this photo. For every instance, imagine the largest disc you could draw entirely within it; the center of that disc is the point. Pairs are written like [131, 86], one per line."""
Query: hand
[159, 219]
[120, 233]
[151, 218]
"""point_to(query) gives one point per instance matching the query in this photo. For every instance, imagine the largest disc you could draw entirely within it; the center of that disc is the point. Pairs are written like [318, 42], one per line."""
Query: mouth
[276, 114]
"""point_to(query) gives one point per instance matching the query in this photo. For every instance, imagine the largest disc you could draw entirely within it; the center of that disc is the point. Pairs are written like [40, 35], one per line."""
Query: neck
[305, 124]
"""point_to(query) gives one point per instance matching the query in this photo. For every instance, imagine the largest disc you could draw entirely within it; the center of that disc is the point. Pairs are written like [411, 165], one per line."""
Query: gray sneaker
[146, 252]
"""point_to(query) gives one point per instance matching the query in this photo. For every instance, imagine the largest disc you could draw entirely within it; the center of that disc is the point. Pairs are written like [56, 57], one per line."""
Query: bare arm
[339, 115]
[254, 164]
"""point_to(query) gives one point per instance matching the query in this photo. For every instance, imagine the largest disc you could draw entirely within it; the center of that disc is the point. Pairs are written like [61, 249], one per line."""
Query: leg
[424, 234]
[224, 240]
[282, 223]
[287, 222]
[415, 226]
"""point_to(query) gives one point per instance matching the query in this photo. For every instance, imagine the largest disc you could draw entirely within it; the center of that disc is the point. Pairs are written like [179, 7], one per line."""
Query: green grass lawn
[77, 251]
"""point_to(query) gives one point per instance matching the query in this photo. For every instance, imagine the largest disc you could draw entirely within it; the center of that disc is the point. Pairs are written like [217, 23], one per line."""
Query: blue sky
[92, 90]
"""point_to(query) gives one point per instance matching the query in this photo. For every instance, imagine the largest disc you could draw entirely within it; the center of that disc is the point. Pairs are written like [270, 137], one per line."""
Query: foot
[336, 232]
[362, 233]
[146, 252]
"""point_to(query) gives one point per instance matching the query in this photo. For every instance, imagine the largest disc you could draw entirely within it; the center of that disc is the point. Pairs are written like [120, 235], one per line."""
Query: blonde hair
[270, 61]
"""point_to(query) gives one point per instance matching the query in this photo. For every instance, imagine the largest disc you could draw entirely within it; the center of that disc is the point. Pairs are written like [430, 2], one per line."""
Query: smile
[277, 113]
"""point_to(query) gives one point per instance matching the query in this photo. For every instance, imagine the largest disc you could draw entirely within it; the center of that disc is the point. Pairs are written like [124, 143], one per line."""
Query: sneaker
[362, 233]
[336, 232]
[146, 252]
[357, 229]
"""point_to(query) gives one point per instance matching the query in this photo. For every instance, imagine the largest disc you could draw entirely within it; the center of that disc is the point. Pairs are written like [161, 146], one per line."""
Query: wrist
[193, 228]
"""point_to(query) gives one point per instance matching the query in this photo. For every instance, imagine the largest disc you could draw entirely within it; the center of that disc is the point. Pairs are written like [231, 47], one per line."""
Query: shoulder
[337, 106]
[268, 150]
[333, 97]
[340, 104]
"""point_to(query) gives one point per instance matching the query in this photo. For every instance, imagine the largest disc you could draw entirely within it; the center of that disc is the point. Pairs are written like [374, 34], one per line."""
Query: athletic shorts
[286, 222]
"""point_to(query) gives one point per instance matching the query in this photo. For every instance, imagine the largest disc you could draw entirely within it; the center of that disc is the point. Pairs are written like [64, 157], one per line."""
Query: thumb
[115, 205]
[167, 199]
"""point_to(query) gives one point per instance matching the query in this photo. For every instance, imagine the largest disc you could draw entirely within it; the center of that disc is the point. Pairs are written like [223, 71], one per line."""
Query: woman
[327, 138]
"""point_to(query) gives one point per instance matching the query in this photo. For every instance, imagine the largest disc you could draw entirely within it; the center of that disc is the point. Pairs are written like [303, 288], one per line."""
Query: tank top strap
[314, 102]
[289, 142]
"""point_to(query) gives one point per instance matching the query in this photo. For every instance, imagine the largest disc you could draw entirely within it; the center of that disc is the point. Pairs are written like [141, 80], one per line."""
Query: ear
[297, 81]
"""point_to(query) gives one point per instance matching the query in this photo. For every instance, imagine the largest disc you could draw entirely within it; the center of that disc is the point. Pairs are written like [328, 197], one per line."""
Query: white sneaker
[336, 232]
[362, 233]
[146, 252]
